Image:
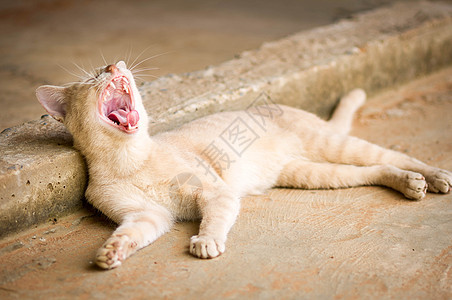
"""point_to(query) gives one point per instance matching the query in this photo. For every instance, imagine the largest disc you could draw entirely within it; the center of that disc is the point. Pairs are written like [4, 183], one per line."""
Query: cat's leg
[342, 149]
[342, 118]
[140, 223]
[311, 175]
[137, 230]
[219, 209]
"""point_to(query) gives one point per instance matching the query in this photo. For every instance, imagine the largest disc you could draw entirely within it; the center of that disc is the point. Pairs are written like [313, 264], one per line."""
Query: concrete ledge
[42, 177]
[312, 69]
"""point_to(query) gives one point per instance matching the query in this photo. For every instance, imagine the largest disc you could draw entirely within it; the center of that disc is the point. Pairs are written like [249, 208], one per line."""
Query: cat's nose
[111, 69]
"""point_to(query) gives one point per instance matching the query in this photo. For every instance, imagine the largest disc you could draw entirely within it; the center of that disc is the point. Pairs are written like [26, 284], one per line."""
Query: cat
[201, 170]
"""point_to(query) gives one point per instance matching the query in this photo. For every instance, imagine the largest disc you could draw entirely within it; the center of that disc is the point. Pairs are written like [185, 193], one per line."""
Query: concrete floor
[366, 242]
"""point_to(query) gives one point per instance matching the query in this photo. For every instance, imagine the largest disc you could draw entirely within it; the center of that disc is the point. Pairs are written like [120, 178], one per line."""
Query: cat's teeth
[112, 85]
[126, 89]
[107, 93]
[126, 80]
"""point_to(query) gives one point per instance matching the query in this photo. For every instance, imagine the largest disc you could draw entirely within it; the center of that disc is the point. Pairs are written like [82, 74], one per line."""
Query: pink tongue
[125, 118]
[133, 117]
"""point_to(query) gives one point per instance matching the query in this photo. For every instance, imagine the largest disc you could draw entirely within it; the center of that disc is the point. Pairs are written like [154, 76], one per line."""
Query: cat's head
[107, 103]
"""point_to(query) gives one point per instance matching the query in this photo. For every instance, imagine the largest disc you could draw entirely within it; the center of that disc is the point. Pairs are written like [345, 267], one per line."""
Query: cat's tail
[342, 118]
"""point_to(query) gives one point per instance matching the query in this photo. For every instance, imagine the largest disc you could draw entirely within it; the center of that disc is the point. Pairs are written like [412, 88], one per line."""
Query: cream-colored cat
[202, 169]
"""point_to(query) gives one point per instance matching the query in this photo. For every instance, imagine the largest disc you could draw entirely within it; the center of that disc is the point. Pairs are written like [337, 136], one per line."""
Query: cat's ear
[53, 100]
[121, 64]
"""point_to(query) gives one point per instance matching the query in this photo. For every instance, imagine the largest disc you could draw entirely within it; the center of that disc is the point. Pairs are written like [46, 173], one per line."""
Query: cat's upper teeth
[126, 89]
[112, 85]
[107, 95]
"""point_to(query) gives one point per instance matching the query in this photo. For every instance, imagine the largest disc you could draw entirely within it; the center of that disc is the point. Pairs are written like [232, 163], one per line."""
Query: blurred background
[43, 41]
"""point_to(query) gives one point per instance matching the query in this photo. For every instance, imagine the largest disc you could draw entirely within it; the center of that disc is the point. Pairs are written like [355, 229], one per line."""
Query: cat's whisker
[80, 77]
[83, 70]
[144, 69]
[138, 57]
[93, 71]
[148, 75]
[145, 60]
[128, 55]
[97, 87]
[74, 83]
[103, 57]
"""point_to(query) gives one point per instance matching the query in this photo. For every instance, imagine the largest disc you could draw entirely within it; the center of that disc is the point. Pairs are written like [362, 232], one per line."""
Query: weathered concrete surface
[309, 70]
[361, 243]
[41, 175]
[313, 69]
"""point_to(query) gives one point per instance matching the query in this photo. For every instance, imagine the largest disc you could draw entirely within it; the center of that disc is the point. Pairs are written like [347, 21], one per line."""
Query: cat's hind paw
[415, 186]
[440, 181]
[206, 247]
[115, 250]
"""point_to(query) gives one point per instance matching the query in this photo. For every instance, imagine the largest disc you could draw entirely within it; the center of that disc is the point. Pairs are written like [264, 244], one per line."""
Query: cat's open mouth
[117, 106]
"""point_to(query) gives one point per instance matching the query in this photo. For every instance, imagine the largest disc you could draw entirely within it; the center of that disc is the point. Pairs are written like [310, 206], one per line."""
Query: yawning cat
[202, 169]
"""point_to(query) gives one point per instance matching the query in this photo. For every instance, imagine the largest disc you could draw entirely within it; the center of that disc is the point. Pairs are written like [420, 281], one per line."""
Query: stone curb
[42, 177]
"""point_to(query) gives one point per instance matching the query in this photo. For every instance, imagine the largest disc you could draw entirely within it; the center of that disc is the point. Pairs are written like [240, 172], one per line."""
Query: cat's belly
[259, 167]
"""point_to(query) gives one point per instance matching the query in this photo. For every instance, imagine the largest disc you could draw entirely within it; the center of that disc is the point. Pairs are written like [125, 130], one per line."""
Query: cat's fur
[135, 179]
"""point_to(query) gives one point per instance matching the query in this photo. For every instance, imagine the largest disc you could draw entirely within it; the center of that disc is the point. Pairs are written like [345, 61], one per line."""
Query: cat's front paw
[206, 247]
[439, 181]
[115, 250]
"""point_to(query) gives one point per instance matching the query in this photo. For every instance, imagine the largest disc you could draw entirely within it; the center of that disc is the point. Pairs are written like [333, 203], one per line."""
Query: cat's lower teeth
[126, 89]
